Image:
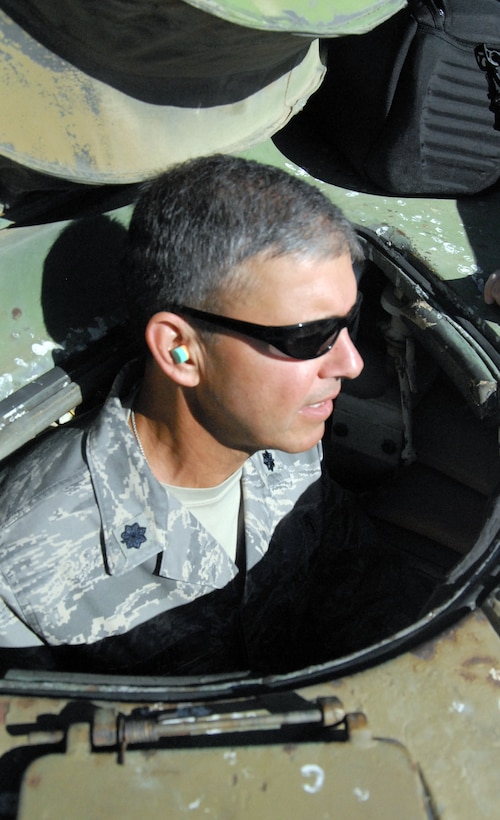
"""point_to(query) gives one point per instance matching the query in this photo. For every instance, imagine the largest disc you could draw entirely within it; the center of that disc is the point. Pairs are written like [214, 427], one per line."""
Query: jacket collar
[140, 520]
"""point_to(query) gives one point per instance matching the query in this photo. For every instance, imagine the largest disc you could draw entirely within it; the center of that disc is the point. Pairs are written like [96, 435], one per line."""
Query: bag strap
[488, 60]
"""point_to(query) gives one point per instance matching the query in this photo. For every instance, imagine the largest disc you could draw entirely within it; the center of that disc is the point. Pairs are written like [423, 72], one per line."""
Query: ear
[164, 333]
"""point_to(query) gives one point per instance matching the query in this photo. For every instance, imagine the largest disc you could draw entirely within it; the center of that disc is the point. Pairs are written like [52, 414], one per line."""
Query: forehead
[290, 288]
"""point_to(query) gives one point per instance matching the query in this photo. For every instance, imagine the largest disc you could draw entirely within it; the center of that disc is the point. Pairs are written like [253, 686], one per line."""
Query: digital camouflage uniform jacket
[91, 545]
[103, 571]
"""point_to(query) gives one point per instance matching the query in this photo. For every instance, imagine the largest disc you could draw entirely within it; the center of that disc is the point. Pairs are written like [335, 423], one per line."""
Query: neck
[178, 449]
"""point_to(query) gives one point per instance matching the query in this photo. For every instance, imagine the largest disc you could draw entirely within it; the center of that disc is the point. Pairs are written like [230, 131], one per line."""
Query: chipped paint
[461, 708]
[423, 316]
[42, 348]
[494, 674]
[361, 794]
[481, 668]
[195, 804]
[315, 776]
[4, 711]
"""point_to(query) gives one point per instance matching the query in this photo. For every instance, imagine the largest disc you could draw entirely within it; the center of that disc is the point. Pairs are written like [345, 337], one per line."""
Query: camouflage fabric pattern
[91, 545]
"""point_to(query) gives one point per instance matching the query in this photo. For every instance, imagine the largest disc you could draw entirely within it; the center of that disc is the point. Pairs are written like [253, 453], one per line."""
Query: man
[182, 529]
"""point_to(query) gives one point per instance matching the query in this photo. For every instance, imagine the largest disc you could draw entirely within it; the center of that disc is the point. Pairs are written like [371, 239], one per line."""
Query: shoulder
[53, 462]
[58, 462]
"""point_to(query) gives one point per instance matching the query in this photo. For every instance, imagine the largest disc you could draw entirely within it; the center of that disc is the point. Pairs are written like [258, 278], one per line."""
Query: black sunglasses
[307, 340]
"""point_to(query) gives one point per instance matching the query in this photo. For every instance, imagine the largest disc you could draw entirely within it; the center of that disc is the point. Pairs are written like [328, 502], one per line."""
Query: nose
[343, 361]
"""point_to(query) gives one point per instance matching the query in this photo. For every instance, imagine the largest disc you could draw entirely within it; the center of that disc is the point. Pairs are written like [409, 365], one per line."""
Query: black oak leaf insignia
[133, 536]
[268, 460]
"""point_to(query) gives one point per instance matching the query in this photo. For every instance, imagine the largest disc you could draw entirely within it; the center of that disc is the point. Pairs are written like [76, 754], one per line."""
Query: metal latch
[273, 712]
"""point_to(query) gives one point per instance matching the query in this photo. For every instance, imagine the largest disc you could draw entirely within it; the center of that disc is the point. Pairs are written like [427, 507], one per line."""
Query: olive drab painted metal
[453, 240]
[420, 731]
[364, 777]
[418, 736]
[408, 729]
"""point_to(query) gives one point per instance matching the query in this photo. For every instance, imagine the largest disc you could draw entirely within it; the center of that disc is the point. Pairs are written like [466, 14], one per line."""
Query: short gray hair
[194, 226]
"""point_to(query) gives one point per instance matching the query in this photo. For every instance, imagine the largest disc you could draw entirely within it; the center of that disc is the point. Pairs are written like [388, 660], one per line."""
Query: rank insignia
[133, 536]
[268, 460]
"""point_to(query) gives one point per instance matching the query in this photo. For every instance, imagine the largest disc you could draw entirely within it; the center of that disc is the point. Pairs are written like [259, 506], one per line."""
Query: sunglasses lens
[314, 344]
[316, 338]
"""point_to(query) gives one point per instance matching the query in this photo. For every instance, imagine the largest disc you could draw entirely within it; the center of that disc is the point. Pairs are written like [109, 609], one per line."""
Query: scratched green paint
[26, 349]
[456, 240]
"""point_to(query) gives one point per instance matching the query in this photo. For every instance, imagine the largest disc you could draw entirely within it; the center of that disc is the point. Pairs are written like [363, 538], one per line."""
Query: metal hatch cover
[363, 777]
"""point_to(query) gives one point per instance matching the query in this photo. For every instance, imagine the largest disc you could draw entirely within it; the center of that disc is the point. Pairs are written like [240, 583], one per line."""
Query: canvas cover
[106, 91]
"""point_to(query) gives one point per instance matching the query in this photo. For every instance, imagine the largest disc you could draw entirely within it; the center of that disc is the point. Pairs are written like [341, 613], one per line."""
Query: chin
[302, 444]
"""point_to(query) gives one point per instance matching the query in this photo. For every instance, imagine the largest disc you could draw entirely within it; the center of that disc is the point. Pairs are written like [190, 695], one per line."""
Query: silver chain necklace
[136, 435]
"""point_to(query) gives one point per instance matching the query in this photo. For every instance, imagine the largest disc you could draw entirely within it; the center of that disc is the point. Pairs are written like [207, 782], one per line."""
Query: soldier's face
[253, 397]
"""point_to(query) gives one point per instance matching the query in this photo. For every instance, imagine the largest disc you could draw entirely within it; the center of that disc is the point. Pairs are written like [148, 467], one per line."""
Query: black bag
[414, 105]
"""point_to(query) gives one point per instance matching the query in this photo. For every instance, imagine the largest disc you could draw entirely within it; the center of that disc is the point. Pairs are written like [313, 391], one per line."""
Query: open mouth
[324, 407]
